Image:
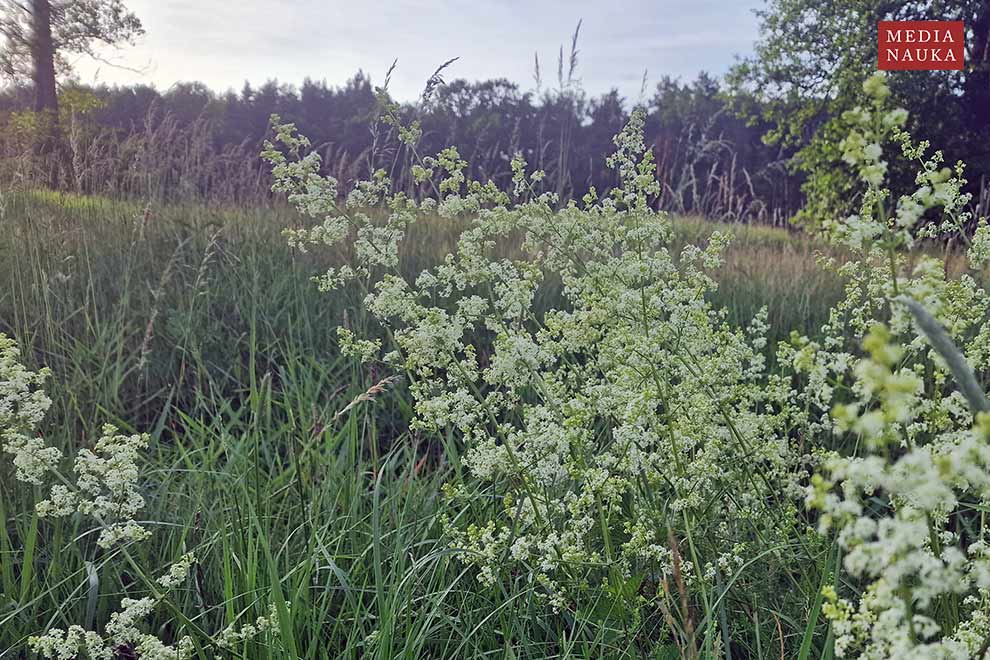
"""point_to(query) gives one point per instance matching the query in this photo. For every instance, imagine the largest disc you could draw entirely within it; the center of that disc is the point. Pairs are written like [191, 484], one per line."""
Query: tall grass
[198, 325]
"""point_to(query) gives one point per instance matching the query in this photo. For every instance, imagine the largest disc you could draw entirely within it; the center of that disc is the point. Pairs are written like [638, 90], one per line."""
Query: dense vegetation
[760, 146]
[535, 432]
[190, 142]
[462, 385]
[810, 61]
[201, 327]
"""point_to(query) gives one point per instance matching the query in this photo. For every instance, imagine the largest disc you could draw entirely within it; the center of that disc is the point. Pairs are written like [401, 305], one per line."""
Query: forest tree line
[759, 144]
[195, 141]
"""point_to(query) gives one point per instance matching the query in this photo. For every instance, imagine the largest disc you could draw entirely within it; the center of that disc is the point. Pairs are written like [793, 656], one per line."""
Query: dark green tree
[809, 64]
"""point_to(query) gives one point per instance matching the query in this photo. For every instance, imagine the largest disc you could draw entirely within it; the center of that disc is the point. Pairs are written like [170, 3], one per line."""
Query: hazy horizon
[224, 46]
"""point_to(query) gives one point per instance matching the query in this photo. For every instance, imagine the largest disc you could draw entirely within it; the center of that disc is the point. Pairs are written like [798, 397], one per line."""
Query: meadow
[689, 439]
[200, 326]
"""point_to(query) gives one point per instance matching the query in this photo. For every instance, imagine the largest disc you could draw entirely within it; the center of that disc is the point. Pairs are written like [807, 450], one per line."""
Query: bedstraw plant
[626, 461]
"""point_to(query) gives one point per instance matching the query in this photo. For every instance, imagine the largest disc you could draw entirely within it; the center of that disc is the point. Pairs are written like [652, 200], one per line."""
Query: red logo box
[921, 45]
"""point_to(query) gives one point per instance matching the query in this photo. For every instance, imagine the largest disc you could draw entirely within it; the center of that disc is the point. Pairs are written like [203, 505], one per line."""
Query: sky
[223, 43]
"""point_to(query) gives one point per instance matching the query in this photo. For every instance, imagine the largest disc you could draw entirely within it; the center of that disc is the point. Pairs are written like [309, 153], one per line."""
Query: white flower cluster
[626, 410]
[23, 405]
[106, 485]
[913, 558]
[121, 633]
[906, 498]
[177, 572]
[631, 433]
[979, 251]
[107, 478]
[231, 636]
[938, 187]
[105, 489]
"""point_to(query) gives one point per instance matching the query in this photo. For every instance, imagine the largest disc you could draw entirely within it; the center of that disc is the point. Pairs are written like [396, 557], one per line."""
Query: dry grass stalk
[368, 395]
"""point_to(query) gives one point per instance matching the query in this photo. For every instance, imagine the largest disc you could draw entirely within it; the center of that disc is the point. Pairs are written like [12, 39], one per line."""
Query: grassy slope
[199, 326]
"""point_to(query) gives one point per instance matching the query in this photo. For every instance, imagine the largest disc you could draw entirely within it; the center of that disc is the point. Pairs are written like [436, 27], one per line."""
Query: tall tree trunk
[45, 97]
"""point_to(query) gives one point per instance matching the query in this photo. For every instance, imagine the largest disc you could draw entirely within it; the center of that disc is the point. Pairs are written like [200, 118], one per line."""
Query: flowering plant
[628, 442]
[612, 440]
[908, 500]
[106, 490]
